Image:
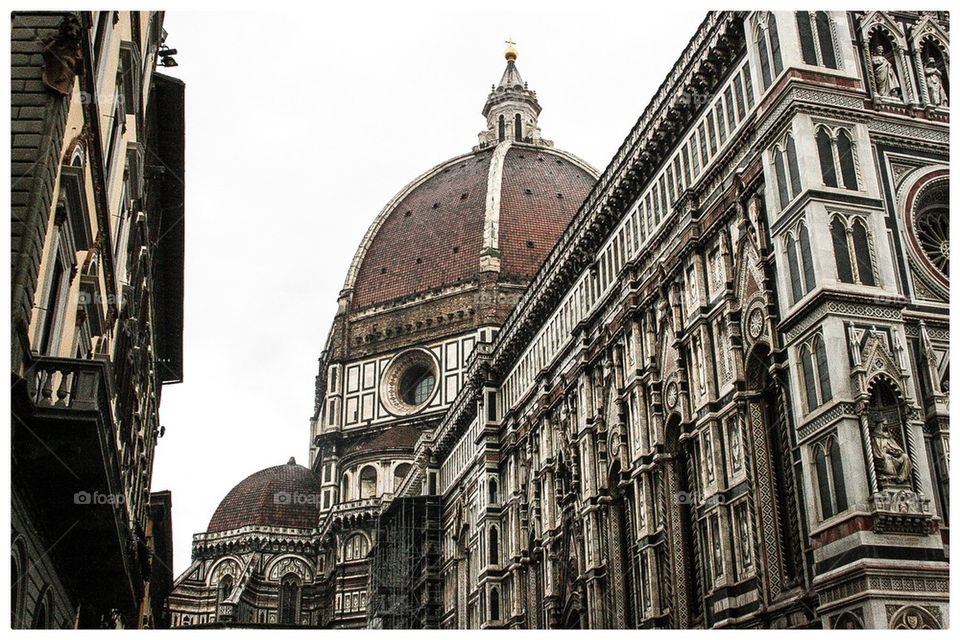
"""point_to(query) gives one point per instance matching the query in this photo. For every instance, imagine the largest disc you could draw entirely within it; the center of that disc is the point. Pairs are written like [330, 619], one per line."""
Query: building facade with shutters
[96, 314]
[706, 388]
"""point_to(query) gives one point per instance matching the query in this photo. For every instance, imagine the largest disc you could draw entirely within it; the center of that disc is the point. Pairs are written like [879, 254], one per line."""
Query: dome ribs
[432, 237]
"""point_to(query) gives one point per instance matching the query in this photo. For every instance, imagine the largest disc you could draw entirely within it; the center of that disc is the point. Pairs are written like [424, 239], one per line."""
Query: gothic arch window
[815, 373]
[799, 262]
[836, 148]
[356, 547]
[787, 170]
[289, 599]
[78, 156]
[494, 604]
[768, 48]
[368, 482]
[828, 478]
[399, 473]
[224, 589]
[492, 489]
[501, 129]
[851, 249]
[517, 128]
[494, 539]
[816, 38]
[345, 488]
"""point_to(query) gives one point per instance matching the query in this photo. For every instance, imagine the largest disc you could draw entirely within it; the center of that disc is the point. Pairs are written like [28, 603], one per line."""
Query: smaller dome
[287, 495]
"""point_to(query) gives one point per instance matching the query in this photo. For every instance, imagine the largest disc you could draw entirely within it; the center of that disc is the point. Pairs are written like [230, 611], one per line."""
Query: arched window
[851, 247]
[836, 471]
[816, 39]
[807, 259]
[783, 187]
[823, 370]
[494, 546]
[837, 148]
[861, 247]
[809, 377]
[356, 547]
[815, 373]
[501, 129]
[492, 490]
[517, 128]
[494, 604]
[224, 589]
[787, 170]
[829, 478]
[793, 265]
[768, 48]
[289, 599]
[345, 488]
[368, 482]
[399, 473]
[841, 250]
[828, 170]
[848, 167]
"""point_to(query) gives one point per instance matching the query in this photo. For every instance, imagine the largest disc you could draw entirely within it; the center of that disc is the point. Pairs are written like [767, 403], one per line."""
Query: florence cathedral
[707, 387]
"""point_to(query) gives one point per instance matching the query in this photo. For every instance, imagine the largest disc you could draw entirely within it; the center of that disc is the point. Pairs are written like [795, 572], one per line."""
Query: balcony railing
[70, 383]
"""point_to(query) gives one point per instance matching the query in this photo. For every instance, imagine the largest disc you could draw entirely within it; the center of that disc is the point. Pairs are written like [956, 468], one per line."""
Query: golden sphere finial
[511, 53]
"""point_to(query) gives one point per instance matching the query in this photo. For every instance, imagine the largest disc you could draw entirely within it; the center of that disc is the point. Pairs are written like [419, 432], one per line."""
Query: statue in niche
[936, 91]
[891, 461]
[888, 85]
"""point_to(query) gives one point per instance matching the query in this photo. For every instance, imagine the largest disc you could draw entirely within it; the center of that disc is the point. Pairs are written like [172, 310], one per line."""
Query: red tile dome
[434, 232]
[287, 495]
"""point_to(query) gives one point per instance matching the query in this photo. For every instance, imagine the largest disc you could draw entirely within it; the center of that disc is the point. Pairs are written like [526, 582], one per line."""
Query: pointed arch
[289, 599]
[848, 160]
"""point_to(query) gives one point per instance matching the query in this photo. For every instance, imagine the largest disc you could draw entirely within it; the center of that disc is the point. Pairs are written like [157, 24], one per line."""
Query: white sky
[300, 127]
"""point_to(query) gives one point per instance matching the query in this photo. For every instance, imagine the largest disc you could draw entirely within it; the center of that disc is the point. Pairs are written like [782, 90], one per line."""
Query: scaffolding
[405, 581]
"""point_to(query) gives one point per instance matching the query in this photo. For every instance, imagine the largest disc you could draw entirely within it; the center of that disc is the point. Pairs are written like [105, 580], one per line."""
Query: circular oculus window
[409, 383]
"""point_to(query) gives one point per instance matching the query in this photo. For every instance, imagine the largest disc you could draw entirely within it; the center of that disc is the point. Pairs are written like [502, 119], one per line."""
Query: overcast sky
[300, 127]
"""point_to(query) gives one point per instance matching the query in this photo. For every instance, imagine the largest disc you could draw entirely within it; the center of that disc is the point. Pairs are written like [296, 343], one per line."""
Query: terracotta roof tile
[433, 236]
[287, 495]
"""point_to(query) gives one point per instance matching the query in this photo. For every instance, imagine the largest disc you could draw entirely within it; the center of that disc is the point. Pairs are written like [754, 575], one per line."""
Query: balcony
[346, 515]
[65, 461]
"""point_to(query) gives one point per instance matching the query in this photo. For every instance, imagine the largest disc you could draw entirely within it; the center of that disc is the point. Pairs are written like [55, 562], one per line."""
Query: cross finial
[511, 53]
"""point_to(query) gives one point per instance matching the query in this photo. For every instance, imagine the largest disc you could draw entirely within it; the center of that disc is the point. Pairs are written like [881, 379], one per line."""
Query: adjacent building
[707, 388]
[97, 206]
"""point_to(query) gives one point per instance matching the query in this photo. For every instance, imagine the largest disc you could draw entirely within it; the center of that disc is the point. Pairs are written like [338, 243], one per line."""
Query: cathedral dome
[500, 209]
[287, 495]
[507, 205]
